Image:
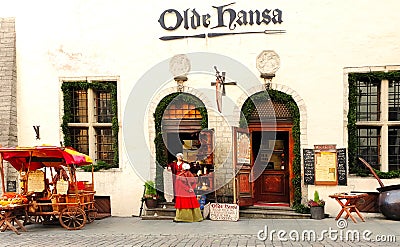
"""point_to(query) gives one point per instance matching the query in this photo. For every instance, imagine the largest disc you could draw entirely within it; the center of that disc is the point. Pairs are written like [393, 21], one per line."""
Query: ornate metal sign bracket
[220, 87]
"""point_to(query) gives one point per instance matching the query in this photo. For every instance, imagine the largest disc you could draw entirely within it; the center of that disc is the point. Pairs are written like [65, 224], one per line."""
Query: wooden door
[272, 184]
[242, 166]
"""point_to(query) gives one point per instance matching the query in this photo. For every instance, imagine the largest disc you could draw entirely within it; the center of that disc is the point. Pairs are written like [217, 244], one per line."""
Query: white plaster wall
[120, 38]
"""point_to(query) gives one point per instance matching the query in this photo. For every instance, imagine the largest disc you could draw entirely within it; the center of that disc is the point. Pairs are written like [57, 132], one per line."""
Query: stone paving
[132, 231]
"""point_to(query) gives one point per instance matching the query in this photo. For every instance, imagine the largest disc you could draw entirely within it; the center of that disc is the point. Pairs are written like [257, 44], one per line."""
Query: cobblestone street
[132, 231]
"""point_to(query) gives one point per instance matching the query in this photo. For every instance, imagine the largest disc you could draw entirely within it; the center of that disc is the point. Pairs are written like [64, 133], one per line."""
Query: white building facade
[311, 49]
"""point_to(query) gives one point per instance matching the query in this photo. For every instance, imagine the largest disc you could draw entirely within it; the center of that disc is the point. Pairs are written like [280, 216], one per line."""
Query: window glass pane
[79, 106]
[368, 101]
[80, 139]
[181, 110]
[394, 148]
[394, 101]
[103, 107]
[104, 145]
[368, 145]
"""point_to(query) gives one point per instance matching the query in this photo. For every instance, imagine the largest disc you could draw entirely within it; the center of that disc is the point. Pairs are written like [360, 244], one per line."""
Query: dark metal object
[221, 79]
[37, 132]
[389, 201]
[182, 37]
[141, 206]
[220, 82]
[212, 35]
[389, 196]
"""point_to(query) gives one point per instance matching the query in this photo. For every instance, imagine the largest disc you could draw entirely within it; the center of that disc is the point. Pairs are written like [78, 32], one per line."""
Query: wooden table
[8, 217]
[348, 204]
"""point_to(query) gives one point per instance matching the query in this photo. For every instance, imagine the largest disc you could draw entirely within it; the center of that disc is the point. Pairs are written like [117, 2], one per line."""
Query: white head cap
[185, 166]
[179, 155]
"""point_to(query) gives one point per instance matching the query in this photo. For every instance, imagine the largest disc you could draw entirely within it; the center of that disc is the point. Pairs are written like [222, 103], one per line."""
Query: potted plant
[150, 194]
[317, 207]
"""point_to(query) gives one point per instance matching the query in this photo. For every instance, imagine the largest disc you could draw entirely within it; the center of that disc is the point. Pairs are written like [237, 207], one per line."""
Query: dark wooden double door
[271, 163]
[267, 178]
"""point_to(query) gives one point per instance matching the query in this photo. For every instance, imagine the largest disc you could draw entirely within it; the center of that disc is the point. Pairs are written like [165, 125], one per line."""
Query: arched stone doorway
[273, 184]
[181, 124]
[178, 119]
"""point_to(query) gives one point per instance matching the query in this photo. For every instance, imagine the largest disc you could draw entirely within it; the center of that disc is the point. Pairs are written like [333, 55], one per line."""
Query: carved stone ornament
[179, 65]
[268, 62]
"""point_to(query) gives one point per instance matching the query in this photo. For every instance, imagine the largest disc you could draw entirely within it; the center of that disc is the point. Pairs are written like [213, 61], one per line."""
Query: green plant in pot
[317, 207]
[150, 194]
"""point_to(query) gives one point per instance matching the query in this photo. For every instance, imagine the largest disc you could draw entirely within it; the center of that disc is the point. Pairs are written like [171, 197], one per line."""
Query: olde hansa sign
[223, 17]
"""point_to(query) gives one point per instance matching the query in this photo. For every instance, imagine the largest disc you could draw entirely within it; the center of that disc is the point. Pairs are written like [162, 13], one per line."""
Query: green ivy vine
[354, 166]
[280, 97]
[161, 154]
[68, 88]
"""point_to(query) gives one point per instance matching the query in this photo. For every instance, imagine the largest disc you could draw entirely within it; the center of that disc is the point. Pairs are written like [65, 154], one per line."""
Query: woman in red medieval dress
[176, 168]
[186, 204]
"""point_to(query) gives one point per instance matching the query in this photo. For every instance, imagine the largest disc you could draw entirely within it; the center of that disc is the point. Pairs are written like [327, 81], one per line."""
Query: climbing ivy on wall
[161, 154]
[354, 166]
[68, 88]
[280, 97]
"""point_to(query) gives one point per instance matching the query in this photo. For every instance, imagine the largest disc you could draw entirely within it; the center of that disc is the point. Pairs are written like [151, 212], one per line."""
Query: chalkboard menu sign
[309, 169]
[11, 186]
[341, 166]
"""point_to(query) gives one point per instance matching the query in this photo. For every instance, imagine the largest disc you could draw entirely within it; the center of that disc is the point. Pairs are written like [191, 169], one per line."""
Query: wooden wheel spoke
[73, 218]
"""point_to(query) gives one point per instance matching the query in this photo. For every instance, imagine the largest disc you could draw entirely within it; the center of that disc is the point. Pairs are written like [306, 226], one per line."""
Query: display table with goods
[49, 190]
[12, 208]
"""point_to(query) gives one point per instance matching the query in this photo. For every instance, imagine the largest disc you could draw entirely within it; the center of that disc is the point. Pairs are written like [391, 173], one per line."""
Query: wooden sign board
[325, 165]
[36, 181]
[224, 211]
[243, 148]
[62, 187]
[322, 172]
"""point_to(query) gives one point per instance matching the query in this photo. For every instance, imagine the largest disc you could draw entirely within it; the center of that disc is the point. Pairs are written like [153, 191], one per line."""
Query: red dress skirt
[184, 190]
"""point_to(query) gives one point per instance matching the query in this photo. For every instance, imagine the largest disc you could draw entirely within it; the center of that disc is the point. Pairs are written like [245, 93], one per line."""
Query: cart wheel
[91, 215]
[72, 218]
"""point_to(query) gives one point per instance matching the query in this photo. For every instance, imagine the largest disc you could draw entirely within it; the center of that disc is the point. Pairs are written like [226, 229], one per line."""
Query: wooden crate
[369, 204]
[56, 200]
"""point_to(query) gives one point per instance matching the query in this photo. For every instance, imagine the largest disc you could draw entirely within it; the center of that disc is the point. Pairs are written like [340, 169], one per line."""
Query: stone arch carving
[151, 124]
[282, 88]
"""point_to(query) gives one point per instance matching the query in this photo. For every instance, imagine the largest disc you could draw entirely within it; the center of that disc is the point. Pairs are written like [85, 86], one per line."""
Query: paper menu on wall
[325, 166]
[36, 181]
[62, 187]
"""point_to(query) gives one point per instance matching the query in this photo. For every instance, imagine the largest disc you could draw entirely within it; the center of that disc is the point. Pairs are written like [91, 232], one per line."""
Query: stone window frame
[92, 125]
[383, 124]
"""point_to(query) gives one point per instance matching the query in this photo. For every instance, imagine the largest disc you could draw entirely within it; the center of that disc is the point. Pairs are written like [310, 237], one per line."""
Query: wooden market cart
[44, 195]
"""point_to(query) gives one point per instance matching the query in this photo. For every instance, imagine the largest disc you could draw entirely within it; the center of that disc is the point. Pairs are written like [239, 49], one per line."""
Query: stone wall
[8, 90]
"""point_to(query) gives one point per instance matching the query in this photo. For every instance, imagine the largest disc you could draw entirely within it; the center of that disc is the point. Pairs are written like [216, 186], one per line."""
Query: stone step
[269, 208]
[160, 211]
[149, 217]
[166, 205]
[271, 214]
[252, 212]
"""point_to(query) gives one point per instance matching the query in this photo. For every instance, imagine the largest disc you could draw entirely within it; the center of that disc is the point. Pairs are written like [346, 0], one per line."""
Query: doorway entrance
[270, 168]
[272, 185]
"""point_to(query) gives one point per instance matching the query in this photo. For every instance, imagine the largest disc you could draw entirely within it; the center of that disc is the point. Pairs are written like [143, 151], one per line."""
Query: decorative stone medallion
[267, 62]
[179, 65]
